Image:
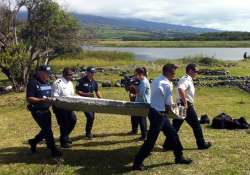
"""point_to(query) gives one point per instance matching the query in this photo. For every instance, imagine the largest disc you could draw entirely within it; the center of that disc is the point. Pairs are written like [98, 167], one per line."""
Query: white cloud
[220, 14]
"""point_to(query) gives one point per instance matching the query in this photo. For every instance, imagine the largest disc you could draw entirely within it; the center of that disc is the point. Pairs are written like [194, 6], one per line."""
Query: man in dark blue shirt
[38, 97]
[86, 87]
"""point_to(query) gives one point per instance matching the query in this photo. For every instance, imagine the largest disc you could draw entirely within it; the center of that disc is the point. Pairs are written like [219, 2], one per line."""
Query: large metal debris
[85, 104]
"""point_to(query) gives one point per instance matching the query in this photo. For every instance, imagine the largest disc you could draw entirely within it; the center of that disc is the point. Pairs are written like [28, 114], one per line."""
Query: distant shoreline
[173, 44]
[170, 53]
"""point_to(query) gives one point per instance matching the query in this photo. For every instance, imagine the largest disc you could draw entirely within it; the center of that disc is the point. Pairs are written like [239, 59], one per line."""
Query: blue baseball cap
[91, 70]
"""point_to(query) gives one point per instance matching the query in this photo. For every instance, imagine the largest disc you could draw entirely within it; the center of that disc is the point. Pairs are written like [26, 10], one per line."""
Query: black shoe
[166, 149]
[65, 145]
[133, 133]
[56, 153]
[32, 144]
[69, 141]
[136, 167]
[89, 136]
[205, 146]
[65, 139]
[142, 139]
[182, 160]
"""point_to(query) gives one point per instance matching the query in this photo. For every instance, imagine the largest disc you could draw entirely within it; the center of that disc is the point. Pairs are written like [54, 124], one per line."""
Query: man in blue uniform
[38, 93]
[86, 87]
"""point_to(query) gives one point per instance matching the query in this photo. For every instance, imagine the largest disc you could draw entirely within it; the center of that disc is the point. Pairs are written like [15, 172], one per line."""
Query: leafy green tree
[47, 32]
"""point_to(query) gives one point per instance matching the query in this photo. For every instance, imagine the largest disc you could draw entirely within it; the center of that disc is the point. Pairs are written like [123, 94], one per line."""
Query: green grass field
[172, 44]
[112, 151]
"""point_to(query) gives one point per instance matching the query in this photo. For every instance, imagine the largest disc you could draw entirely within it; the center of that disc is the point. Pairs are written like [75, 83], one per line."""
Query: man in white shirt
[161, 103]
[63, 87]
[185, 97]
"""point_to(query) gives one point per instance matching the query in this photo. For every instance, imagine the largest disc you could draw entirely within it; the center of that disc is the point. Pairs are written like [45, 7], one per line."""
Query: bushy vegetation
[203, 61]
[223, 36]
[47, 32]
[94, 58]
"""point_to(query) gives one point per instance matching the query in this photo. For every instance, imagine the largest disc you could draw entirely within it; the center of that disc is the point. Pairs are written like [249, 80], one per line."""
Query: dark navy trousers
[66, 120]
[193, 121]
[43, 119]
[159, 122]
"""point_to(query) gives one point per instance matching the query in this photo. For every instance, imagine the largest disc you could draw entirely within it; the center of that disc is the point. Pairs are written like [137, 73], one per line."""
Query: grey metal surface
[85, 104]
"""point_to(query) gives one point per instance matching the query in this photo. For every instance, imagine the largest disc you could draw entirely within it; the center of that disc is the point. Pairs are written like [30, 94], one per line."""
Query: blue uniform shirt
[38, 89]
[86, 86]
[161, 93]
[144, 91]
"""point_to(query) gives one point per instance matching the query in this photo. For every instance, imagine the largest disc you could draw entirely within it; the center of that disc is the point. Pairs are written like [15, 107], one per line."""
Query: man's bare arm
[98, 94]
[34, 100]
[183, 97]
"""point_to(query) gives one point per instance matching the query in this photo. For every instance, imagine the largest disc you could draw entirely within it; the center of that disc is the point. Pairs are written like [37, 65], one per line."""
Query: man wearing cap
[185, 97]
[161, 104]
[63, 87]
[86, 87]
[38, 96]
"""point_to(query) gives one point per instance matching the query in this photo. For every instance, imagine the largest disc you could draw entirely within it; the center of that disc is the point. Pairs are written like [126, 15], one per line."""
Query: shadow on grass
[104, 143]
[156, 149]
[116, 161]
[90, 161]
[99, 136]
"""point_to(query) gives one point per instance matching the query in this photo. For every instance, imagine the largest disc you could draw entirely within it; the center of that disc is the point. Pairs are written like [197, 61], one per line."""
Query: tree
[47, 32]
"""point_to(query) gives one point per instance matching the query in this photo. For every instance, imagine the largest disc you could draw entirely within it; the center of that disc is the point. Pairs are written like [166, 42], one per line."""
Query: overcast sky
[219, 14]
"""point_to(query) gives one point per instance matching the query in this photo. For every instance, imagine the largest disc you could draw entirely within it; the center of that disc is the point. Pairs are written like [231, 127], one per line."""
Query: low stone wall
[210, 78]
[212, 72]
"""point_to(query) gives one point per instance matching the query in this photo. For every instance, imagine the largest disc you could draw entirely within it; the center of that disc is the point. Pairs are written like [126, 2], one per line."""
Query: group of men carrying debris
[159, 95]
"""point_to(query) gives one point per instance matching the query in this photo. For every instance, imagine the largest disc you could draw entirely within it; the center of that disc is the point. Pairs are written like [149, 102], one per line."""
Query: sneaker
[205, 146]
[136, 167]
[32, 146]
[183, 160]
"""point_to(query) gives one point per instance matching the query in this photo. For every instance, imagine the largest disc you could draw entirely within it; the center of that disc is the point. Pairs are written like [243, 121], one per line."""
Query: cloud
[219, 14]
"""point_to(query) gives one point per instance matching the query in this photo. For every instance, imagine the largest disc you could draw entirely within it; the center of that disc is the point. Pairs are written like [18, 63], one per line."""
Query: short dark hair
[66, 70]
[191, 66]
[145, 71]
[140, 70]
[167, 68]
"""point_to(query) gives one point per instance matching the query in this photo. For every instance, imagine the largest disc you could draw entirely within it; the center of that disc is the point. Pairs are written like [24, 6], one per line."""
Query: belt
[161, 112]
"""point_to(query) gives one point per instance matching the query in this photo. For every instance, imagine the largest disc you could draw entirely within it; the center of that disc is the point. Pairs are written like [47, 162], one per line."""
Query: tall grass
[94, 58]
